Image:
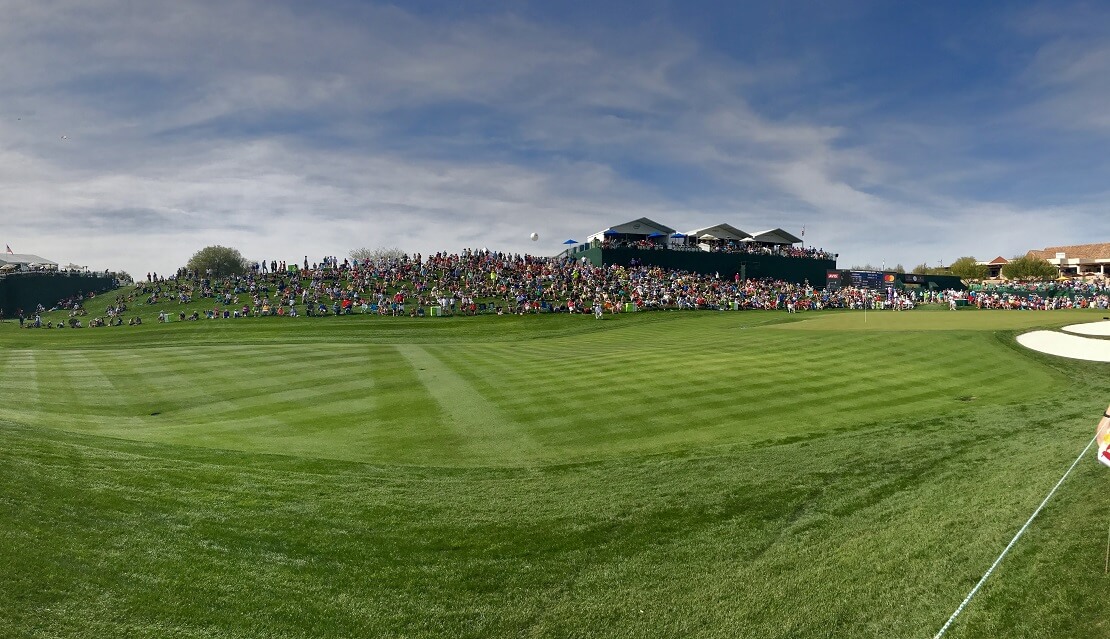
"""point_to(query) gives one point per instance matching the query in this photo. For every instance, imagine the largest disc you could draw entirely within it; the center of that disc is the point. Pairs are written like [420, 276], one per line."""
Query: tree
[967, 268]
[1029, 268]
[925, 269]
[217, 261]
[898, 268]
[378, 255]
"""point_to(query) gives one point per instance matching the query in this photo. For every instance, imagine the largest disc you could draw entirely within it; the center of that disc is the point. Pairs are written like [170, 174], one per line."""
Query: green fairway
[940, 319]
[749, 474]
[673, 382]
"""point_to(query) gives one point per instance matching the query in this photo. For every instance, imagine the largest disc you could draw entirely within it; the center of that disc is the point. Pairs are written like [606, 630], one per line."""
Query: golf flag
[1103, 437]
[9, 249]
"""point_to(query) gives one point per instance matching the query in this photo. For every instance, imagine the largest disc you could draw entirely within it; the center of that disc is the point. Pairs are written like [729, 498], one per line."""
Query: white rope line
[1011, 544]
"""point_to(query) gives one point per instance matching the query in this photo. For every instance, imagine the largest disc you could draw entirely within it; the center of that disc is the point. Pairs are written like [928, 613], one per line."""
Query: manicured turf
[700, 474]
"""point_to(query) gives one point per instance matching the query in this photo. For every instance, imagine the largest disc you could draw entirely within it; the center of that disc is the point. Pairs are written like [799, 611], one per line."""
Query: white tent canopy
[776, 236]
[641, 228]
[25, 260]
[720, 232]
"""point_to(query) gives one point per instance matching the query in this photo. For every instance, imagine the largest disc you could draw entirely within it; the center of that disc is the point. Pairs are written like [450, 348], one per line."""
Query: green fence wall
[790, 269]
[28, 290]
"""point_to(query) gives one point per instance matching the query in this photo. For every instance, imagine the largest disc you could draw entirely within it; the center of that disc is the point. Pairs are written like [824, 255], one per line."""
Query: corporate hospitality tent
[775, 236]
[26, 261]
[725, 232]
[635, 230]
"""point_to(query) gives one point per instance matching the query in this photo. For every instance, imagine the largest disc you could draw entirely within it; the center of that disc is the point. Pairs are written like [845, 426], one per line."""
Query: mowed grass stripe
[407, 420]
[486, 429]
[866, 388]
[205, 398]
[933, 319]
[622, 389]
[337, 391]
[155, 379]
[776, 386]
[20, 377]
[83, 374]
[66, 378]
[351, 410]
[246, 378]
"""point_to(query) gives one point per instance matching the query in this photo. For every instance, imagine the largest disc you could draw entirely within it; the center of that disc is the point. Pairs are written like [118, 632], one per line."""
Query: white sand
[1064, 345]
[1100, 329]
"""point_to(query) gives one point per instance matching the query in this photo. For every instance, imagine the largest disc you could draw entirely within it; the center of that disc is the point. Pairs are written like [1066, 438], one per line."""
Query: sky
[133, 134]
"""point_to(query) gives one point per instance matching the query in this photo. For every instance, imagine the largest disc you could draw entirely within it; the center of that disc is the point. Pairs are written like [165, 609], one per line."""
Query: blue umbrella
[678, 235]
[610, 232]
[657, 234]
[571, 242]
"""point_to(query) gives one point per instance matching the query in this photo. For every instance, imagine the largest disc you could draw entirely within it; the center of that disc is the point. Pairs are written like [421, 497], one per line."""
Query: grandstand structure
[29, 289]
[28, 281]
[721, 249]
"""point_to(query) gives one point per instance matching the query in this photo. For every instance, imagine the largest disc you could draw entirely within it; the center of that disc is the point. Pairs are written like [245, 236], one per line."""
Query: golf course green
[703, 474]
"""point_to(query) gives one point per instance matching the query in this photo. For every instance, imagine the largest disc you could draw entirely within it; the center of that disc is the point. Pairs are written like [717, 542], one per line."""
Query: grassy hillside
[702, 474]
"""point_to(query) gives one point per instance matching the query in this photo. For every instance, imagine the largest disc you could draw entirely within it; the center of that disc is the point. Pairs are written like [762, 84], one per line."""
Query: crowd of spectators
[784, 250]
[1069, 287]
[1063, 293]
[474, 282]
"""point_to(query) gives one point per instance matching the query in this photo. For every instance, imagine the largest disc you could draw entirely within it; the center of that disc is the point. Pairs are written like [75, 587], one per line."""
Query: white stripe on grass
[487, 430]
[19, 379]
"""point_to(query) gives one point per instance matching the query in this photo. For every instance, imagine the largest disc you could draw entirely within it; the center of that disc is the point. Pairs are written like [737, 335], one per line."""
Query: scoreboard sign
[867, 279]
[871, 280]
[913, 278]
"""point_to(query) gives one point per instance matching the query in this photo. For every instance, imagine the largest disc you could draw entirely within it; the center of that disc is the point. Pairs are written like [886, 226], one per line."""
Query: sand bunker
[1100, 329]
[1064, 345]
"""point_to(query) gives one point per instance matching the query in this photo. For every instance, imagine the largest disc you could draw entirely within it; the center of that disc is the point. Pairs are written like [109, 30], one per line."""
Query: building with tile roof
[1077, 259]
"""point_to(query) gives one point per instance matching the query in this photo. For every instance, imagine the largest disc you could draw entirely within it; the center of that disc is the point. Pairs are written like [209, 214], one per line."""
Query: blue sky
[894, 132]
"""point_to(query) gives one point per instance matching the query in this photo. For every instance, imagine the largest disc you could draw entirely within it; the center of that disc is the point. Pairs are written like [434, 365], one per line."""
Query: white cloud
[287, 130]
